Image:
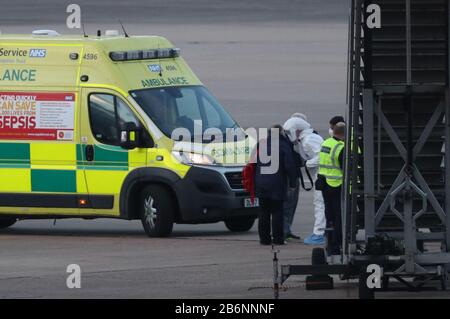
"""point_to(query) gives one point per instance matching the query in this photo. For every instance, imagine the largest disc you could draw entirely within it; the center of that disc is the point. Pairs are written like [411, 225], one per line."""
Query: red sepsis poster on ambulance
[37, 116]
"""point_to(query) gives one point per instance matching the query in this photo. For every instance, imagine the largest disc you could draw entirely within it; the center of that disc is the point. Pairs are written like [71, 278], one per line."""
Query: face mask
[330, 131]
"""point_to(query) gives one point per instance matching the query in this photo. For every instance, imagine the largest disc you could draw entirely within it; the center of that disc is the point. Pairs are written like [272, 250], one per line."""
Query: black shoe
[265, 243]
[292, 236]
[278, 242]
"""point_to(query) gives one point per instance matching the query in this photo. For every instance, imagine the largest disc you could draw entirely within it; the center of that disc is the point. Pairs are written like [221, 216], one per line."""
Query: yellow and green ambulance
[115, 126]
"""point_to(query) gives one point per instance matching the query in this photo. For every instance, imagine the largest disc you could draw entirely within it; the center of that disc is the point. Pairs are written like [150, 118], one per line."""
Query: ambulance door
[105, 163]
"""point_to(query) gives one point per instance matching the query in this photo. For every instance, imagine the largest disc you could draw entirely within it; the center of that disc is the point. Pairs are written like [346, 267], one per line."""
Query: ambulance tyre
[156, 211]
[240, 224]
[6, 222]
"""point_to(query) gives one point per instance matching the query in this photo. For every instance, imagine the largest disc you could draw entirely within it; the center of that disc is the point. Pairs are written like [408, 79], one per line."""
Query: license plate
[248, 202]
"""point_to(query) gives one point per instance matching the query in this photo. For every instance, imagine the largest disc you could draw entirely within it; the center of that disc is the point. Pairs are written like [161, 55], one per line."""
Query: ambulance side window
[107, 114]
[124, 114]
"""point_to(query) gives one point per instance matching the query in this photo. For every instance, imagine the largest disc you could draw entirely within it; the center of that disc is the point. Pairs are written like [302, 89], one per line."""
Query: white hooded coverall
[308, 146]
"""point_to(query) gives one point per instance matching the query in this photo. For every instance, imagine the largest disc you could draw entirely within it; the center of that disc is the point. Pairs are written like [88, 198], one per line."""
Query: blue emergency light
[144, 54]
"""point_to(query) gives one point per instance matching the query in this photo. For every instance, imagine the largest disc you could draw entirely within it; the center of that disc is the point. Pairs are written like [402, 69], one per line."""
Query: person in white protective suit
[290, 204]
[307, 144]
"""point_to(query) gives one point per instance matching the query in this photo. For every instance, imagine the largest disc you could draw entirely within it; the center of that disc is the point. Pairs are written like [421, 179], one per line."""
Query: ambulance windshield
[189, 110]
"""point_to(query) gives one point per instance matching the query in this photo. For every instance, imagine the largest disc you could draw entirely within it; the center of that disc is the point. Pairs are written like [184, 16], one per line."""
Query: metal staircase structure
[397, 187]
[396, 193]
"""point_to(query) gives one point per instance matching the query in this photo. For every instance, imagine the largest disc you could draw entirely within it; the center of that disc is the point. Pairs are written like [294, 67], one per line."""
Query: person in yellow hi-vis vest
[330, 181]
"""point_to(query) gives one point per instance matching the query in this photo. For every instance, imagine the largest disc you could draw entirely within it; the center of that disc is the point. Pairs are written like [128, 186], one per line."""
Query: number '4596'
[90, 56]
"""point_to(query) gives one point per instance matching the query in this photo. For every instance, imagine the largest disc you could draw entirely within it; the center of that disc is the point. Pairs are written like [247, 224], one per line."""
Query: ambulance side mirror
[130, 136]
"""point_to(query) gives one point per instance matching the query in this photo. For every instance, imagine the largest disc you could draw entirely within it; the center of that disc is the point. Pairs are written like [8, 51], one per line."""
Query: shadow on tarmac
[181, 234]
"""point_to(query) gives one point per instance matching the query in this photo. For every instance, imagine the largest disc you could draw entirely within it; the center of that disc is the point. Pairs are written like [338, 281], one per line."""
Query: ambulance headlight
[194, 158]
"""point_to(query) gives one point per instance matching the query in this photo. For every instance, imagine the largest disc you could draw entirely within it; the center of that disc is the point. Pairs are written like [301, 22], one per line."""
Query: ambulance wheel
[157, 210]
[6, 222]
[240, 223]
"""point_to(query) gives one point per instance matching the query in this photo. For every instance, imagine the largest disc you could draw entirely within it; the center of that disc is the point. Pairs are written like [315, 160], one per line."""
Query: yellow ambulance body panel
[88, 128]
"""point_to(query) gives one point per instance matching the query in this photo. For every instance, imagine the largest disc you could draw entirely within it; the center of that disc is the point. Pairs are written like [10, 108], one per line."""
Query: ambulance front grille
[234, 180]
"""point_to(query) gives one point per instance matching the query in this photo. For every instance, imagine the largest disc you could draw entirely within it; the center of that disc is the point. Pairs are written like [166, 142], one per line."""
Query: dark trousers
[289, 208]
[271, 213]
[332, 200]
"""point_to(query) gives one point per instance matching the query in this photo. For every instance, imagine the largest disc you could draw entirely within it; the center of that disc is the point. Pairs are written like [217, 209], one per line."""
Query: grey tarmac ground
[264, 60]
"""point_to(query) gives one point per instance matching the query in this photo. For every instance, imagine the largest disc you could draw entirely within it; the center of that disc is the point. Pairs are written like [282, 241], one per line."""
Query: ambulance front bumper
[211, 194]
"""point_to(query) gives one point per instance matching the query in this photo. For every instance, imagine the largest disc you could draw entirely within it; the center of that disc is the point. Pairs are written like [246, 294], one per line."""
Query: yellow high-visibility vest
[329, 161]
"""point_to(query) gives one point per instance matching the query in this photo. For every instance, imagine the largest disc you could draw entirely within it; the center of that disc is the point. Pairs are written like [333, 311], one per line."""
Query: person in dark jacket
[271, 185]
[290, 205]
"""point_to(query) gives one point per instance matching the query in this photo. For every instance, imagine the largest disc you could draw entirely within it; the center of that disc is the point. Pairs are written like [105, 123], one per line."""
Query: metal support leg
[409, 229]
[447, 170]
[369, 173]
[276, 280]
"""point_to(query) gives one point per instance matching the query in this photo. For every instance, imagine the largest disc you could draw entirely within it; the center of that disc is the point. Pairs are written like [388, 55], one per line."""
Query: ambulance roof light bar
[144, 54]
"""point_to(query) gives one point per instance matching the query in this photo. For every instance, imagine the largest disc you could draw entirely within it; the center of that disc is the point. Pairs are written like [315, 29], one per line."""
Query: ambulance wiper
[194, 138]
